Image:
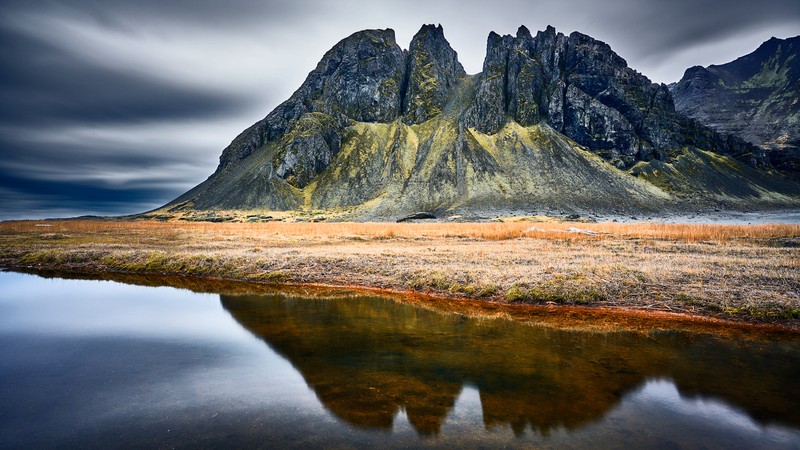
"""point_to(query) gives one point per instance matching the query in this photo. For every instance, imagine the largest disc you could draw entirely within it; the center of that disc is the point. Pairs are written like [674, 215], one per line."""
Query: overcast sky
[118, 106]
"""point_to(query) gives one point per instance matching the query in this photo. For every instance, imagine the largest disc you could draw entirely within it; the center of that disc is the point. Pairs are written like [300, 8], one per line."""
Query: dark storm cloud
[54, 87]
[72, 194]
[645, 30]
[114, 106]
[60, 104]
[73, 179]
[113, 13]
[689, 22]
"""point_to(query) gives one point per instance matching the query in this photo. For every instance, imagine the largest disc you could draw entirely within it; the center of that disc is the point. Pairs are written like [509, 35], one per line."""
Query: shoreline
[698, 215]
[711, 273]
[564, 317]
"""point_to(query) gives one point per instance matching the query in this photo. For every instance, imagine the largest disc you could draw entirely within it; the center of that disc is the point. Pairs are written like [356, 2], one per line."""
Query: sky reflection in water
[101, 364]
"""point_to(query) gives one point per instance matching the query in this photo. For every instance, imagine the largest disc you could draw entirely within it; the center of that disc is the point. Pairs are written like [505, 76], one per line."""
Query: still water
[100, 364]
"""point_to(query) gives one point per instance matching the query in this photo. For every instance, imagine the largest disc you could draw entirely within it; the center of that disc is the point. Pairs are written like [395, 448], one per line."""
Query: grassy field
[742, 272]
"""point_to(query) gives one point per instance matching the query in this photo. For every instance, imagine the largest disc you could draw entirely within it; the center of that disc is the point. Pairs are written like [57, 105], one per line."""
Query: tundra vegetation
[747, 273]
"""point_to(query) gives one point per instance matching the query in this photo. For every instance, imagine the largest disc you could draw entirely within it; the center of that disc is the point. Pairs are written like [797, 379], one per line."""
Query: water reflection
[367, 359]
[97, 364]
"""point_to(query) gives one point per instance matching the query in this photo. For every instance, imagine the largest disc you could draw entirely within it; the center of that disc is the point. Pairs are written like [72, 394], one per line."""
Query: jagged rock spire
[576, 84]
[360, 79]
[366, 77]
[433, 71]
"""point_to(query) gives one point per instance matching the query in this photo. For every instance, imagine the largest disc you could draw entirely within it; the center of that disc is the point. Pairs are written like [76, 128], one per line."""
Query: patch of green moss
[426, 281]
[275, 276]
[553, 292]
[688, 300]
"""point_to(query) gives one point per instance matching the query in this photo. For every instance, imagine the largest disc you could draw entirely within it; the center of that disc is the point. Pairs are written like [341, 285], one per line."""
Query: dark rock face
[416, 216]
[433, 72]
[360, 79]
[365, 78]
[698, 135]
[754, 97]
[308, 149]
[580, 87]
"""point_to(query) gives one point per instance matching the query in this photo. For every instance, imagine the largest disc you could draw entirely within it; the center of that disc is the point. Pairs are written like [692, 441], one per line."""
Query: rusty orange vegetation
[483, 230]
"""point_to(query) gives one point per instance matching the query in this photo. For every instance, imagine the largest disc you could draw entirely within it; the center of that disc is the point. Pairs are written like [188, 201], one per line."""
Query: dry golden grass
[488, 231]
[748, 272]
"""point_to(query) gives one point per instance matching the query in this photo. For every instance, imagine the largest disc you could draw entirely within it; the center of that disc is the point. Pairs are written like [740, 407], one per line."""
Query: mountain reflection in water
[369, 358]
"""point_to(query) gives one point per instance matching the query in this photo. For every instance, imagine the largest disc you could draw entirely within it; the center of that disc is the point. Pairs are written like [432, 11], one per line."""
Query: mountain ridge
[754, 97]
[375, 131]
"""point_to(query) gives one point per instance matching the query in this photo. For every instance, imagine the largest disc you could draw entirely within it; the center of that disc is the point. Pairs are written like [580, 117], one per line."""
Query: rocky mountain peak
[365, 77]
[523, 33]
[753, 97]
[430, 29]
[432, 72]
[577, 85]
[359, 79]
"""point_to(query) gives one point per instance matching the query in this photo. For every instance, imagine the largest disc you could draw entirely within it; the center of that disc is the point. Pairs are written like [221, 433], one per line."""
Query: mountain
[552, 122]
[756, 97]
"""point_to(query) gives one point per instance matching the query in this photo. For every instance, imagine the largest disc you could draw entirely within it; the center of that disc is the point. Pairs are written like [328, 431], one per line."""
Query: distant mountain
[552, 121]
[756, 97]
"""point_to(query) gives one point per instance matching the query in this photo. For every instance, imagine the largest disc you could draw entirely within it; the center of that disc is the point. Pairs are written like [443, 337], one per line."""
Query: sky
[116, 107]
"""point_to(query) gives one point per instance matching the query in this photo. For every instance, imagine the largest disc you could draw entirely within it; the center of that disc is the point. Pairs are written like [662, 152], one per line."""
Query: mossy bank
[743, 273]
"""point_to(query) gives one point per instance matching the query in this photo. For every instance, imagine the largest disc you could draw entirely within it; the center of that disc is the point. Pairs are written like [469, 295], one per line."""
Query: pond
[101, 364]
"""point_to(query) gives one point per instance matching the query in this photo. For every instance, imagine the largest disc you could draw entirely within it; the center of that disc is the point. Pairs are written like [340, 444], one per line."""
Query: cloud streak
[112, 106]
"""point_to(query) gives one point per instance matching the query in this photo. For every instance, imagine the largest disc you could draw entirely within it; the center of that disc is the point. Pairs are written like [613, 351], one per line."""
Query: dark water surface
[100, 364]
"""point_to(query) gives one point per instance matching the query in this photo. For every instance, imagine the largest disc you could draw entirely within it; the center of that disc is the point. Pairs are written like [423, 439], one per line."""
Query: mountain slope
[386, 169]
[756, 97]
[553, 121]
